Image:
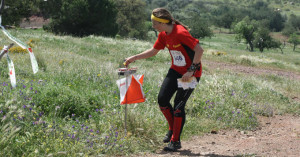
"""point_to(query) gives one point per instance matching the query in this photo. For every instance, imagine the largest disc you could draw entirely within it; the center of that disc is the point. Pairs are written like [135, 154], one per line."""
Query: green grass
[71, 106]
[238, 53]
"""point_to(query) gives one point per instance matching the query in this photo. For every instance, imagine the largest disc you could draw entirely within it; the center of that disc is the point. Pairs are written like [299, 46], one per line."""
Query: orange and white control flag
[133, 91]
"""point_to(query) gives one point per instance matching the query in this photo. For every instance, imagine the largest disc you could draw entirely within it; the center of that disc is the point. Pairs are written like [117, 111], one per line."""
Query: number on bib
[178, 58]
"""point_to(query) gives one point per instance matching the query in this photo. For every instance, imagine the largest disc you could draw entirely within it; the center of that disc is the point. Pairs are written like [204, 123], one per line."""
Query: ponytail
[179, 23]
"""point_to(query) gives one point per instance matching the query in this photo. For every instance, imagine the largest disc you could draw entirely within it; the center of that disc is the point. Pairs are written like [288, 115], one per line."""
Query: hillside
[71, 106]
[287, 7]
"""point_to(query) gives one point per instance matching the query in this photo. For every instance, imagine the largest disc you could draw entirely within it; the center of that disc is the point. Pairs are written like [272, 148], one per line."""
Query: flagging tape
[17, 41]
[34, 64]
[11, 67]
[2, 51]
[12, 74]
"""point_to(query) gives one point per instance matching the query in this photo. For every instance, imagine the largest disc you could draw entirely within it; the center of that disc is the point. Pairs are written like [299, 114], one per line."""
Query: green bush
[15, 10]
[131, 19]
[66, 102]
[82, 17]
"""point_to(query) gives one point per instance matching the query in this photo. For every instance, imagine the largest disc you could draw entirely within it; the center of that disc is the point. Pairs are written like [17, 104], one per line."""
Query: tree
[264, 40]
[261, 11]
[292, 25]
[260, 5]
[276, 21]
[294, 39]
[226, 15]
[159, 3]
[294, 20]
[288, 29]
[15, 10]
[131, 19]
[199, 27]
[225, 20]
[81, 17]
[245, 30]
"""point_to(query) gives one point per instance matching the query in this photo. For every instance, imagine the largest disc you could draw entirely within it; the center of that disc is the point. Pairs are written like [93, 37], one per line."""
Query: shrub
[82, 17]
[16, 49]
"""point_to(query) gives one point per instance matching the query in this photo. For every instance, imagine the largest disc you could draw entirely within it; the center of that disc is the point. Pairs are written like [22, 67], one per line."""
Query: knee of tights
[163, 105]
[179, 113]
[162, 102]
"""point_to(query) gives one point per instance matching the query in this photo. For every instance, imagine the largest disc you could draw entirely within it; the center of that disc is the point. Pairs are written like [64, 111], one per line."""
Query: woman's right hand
[129, 60]
[146, 54]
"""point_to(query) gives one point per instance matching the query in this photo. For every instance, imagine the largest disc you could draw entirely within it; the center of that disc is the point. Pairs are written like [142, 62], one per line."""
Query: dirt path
[276, 136]
[250, 70]
[253, 71]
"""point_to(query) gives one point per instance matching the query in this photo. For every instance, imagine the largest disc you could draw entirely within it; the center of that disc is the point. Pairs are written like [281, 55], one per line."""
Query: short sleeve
[186, 39]
[160, 42]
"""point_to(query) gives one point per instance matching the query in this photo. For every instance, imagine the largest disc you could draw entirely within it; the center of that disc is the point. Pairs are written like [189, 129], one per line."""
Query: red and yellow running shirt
[180, 44]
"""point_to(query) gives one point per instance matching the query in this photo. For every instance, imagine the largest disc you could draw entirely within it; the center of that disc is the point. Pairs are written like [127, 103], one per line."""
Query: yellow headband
[159, 19]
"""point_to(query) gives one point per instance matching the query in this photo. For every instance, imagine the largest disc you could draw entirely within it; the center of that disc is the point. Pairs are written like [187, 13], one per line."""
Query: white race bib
[178, 58]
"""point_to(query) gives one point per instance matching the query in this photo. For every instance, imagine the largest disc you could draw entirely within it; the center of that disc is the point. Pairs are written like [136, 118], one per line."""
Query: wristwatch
[194, 67]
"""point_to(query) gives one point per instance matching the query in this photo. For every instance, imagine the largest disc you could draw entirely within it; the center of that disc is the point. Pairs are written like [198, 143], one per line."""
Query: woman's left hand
[186, 77]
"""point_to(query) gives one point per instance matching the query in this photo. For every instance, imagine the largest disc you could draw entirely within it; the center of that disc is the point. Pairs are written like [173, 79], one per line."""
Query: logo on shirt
[175, 46]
